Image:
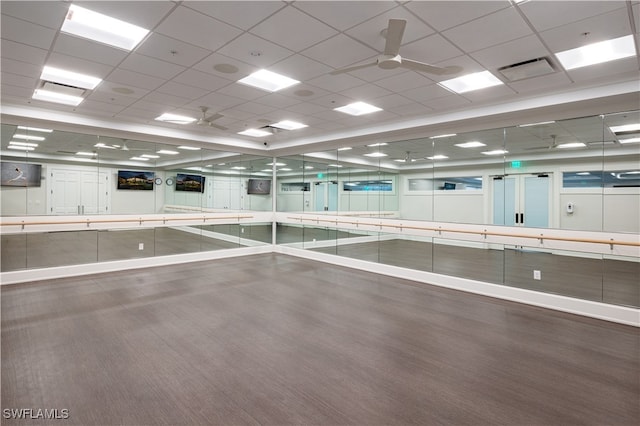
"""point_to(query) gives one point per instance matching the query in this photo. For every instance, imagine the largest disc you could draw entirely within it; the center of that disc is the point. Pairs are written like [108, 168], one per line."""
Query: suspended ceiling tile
[404, 81]
[442, 15]
[23, 53]
[497, 28]
[242, 91]
[608, 69]
[426, 93]
[22, 68]
[301, 92]
[216, 101]
[179, 89]
[255, 50]
[293, 29]
[92, 105]
[166, 99]
[392, 101]
[204, 81]
[19, 80]
[300, 68]
[489, 93]
[344, 14]
[446, 102]
[195, 28]
[543, 83]
[547, 15]
[110, 97]
[209, 63]
[511, 52]
[366, 92]
[171, 50]
[336, 83]
[76, 64]
[145, 14]
[305, 108]
[88, 50]
[26, 33]
[130, 78]
[150, 66]
[431, 50]
[278, 100]
[339, 51]
[243, 14]
[46, 13]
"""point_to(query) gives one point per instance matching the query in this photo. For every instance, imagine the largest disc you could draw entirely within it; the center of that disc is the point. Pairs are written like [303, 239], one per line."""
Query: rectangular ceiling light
[168, 152]
[28, 137]
[85, 154]
[35, 129]
[438, 157]
[334, 165]
[345, 148]
[150, 156]
[596, 53]
[189, 148]
[288, 125]
[16, 143]
[469, 82]
[625, 128]
[378, 144]
[358, 108]
[21, 148]
[175, 119]
[102, 28]
[139, 158]
[256, 133]
[277, 164]
[375, 154]
[267, 80]
[542, 123]
[495, 152]
[69, 78]
[571, 145]
[443, 136]
[60, 98]
[629, 140]
[471, 144]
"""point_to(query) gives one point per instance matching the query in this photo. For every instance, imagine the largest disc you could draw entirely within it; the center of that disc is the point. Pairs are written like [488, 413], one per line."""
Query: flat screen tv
[259, 186]
[129, 179]
[191, 183]
[449, 186]
[20, 174]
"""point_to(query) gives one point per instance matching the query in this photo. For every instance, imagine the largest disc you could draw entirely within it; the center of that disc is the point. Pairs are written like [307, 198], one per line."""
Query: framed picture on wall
[20, 174]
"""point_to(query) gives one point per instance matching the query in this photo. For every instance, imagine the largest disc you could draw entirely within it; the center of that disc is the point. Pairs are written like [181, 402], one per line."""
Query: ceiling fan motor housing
[389, 62]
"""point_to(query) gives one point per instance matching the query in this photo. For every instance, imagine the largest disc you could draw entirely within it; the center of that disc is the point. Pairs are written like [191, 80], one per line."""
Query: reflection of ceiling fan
[553, 144]
[408, 158]
[391, 59]
[209, 121]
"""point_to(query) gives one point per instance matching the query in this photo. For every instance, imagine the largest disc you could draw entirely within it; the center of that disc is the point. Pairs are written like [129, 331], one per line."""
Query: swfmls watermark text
[36, 413]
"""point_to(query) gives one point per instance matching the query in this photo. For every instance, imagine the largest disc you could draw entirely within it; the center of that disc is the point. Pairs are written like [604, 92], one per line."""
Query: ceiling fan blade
[353, 68]
[431, 69]
[217, 126]
[214, 117]
[394, 34]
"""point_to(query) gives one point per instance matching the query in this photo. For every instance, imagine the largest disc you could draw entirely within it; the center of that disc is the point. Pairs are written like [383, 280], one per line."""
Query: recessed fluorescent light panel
[471, 144]
[168, 152]
[35, 129]
[495, 152]
[288, 125]
[69, 78]
[29, 137]
[470, 82]
[267, 80]
[596, 53]
[256, 133]
[442, 136]
[438, 157]
[16, 143]
[189, 148]
[345, 148]
[140, 158]
[21, 148]
[536, 124]
[625, 128]
[629, 140]
[239, 168]
[150, 156]
[60, 98]
[334, 165]
[378, 144]
[277, 164]
[84, 153]
[571, 145]
[175, 119]
[375, 154]
[102, 28]
[358, 108]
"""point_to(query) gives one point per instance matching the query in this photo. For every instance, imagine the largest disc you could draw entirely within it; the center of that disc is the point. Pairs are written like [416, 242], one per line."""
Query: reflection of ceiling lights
[256, 133]
[85, 154]
[334, 165]
[443, 136]
[168, 152]
[69, 78]
[629, 140]
[139, 159]
[288, 125]
[16, 143]
[469, 82]
[284, 170]
[542, 123]
[345, 148]
[308, 167]
[21, 148]
[239, 168]
[175, 119]
[267, 80]
[29, 137]
[59, 98]
[358, 108]
[276, 164]
[626, 128]
[438, 157]
[189, 148]
[471, 144]
[571, 145]
[150, 156]
[375, 154]
[35, 129]
[378, 144]
[597, 53]
[495, 152]
[102, 28]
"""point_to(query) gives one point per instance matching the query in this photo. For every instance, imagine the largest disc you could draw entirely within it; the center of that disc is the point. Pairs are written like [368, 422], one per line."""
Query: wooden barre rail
[139, 220]
[485, 233]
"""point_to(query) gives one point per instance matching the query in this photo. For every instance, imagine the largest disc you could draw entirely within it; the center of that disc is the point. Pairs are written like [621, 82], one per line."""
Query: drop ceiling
[176, 69]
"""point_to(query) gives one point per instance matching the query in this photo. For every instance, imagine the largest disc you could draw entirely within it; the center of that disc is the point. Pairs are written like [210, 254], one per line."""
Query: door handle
[82, 209]
[521, 218]
[78, 208]
[517, 218]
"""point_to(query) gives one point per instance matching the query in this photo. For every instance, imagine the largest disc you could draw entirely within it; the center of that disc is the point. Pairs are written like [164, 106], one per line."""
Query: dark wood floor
[277, 340]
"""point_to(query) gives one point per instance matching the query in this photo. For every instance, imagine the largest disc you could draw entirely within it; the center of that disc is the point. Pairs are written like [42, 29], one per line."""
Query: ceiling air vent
[63, 89]
[527, 69]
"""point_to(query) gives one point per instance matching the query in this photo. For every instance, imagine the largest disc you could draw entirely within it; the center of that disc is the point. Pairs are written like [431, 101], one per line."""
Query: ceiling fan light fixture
[95, 26]
[470, 82]
[268, 80]
[358, 108]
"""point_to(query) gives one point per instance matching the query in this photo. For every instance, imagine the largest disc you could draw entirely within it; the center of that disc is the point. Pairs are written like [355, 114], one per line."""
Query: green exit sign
[320, 175]
[516, 164]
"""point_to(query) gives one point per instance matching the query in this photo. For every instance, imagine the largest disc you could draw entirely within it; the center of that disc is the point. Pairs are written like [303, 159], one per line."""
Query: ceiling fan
[209, 121]
[391, 59]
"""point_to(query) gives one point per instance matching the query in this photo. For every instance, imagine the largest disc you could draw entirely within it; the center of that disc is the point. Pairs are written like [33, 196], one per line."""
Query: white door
[522, 200]
[79, 192]
[326, 196]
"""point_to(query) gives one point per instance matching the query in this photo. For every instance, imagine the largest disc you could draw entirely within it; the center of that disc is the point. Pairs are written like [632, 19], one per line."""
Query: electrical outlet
[140, 246]
[537, 275]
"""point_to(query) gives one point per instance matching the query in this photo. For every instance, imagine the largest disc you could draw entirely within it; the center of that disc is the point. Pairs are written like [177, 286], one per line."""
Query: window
[294, 186]
[368, 185]
[599, 179]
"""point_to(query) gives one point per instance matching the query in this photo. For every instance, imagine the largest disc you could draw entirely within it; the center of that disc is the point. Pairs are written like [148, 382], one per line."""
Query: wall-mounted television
[191, 183]
[20, 174]
[449, 186]
[130, 179]
[259, 186]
